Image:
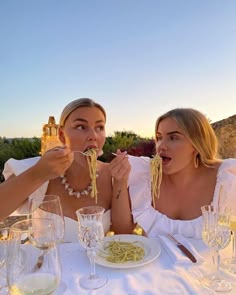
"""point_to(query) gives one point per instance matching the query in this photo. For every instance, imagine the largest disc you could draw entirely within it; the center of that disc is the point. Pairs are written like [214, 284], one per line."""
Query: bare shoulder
[10, 177]
[213, 169]
[217, 165]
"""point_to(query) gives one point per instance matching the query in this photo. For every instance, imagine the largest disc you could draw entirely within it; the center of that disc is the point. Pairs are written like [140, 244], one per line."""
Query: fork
[79, 152]
[82, 152]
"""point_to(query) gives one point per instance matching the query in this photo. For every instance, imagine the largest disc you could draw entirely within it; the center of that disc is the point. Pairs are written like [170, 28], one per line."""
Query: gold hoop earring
[196, 161]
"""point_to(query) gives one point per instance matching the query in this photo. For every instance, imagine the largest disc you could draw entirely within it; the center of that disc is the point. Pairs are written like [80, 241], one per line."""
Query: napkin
[176, 255]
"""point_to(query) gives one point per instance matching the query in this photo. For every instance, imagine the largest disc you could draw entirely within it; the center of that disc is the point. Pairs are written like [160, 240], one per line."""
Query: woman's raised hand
[120, 166]
[55, 162]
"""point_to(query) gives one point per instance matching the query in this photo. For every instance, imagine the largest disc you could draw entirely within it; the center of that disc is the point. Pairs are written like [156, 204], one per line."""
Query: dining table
[168, 272]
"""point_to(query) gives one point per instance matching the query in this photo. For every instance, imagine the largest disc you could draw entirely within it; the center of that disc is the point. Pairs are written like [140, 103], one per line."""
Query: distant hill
[226, 133]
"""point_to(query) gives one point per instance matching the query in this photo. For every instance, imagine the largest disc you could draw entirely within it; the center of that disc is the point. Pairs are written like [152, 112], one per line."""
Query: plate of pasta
[127, 251]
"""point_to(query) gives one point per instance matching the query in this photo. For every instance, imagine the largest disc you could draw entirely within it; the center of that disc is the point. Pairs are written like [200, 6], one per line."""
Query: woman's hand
[120, 166]
[55, 162]
[120, 169]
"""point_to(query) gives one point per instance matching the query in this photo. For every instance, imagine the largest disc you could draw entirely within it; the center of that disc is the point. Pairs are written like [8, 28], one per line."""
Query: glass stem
[91, 255]
[234, 246]
[216, 261]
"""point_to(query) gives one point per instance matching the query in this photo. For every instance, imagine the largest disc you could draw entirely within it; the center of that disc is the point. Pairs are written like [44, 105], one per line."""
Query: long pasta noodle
[156, 177]
[92, 164]
[121, 252]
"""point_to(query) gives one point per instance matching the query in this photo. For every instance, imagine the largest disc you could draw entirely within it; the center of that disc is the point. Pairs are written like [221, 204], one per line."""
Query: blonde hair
[197, 128]
[79, 103]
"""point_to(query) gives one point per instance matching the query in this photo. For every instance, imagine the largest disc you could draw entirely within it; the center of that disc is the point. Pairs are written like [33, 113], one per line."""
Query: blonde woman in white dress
[82, 127]
[192, 176]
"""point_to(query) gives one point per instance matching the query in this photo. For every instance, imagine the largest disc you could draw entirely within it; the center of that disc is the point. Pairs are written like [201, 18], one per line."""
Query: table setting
[169, 265]
[165, 268]
[159, 276]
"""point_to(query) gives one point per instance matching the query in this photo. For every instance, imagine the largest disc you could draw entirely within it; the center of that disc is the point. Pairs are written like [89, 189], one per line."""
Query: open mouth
[165, 159]
[90, 148]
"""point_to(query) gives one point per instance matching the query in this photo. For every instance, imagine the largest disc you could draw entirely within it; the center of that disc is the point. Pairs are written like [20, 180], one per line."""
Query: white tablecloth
[167, 275]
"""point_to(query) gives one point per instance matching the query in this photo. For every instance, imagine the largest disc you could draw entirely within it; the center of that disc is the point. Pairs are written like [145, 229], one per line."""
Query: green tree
[21, 148]
[17, 148]
[120, 140]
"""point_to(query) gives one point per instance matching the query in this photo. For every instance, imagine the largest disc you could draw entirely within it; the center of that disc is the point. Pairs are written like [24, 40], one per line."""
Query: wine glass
[230, 263]
[4, 235]
[90, 234]
[216, 234]
[50, 208]
[33, 265]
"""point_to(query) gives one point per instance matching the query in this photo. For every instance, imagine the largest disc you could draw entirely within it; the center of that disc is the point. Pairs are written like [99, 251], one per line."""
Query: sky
[138, 58]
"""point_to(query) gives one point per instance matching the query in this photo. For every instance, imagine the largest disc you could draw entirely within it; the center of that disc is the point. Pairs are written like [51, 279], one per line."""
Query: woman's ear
[196, 159]
[61, 136]
[195, 153]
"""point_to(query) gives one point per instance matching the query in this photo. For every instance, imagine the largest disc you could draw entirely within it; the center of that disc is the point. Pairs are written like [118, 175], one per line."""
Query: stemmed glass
[216, 234]
[50, 208]
[4, 239]
[230, 263]
[90, 234]
[32, 262]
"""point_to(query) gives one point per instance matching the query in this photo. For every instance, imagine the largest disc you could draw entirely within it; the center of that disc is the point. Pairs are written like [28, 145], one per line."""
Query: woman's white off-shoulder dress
[16, 167]
[154, 222]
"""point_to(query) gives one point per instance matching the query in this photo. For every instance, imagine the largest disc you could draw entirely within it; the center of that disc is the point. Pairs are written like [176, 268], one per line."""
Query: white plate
[152, 251]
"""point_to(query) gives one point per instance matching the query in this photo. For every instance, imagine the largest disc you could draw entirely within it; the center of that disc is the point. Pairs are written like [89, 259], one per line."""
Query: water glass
[90, 235]
[216, 234]
[230, 263]
[4, 239]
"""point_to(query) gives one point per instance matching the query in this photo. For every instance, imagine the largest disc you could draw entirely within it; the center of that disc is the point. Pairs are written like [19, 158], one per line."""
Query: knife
[182, 248]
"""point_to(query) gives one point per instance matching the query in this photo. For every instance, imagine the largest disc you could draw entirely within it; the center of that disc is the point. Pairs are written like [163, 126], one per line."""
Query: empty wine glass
[50, 208]
[216, 234]
[33, 266]
[4, 234]
[90, 234]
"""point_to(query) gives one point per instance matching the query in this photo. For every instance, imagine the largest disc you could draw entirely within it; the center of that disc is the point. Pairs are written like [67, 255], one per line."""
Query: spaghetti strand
[91, 156]
[156, 177]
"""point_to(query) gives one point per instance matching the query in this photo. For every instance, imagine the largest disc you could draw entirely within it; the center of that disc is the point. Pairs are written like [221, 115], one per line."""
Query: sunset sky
[138, 58]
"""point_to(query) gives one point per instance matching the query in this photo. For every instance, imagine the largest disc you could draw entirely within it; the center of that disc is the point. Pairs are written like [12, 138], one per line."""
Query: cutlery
[79, 152]
[182, 248]
[118, 155]
[82, 152]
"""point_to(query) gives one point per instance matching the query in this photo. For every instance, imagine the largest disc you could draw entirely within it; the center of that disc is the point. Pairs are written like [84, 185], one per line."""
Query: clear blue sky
[138, 58]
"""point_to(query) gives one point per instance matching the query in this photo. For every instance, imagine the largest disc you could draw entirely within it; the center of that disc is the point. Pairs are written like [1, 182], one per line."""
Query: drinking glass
[50, 208]
[4, 235]
[216, 234]
[33, 266]
[230, 263]
[90, 234]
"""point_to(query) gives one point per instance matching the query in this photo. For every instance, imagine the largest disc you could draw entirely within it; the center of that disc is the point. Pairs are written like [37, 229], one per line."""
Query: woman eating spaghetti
[167, 192]
[72, 171]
